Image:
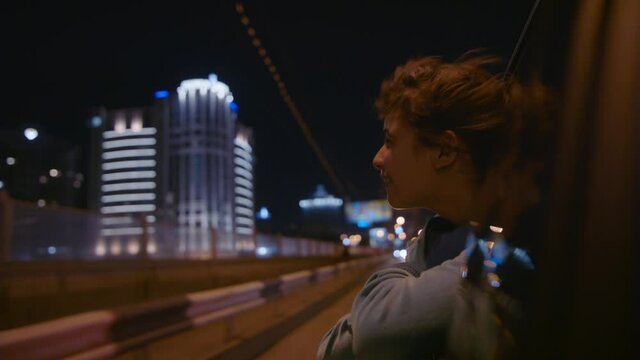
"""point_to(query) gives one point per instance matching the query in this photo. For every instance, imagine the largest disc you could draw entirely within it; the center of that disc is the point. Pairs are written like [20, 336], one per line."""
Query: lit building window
[129, 175]
[101, 248]
[128, 142]
[128, 197]
[119, 209]
[245, 202]
[136, 123]
[116, 220]
[145, 185]
[244, 173]
[128, 132]
[128, 164]
[120, 124]
[110, 155]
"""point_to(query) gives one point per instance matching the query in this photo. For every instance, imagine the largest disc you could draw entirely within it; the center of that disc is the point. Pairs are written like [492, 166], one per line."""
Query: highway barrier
[232, 322]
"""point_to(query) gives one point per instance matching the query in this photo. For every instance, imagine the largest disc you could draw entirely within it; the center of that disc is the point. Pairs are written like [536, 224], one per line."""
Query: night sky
[60, 60]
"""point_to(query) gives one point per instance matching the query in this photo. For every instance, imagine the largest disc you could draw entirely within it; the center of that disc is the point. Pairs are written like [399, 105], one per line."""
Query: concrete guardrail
[107, 333]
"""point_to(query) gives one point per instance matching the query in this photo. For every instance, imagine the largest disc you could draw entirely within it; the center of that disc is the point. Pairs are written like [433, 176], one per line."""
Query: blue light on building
[264, 214]
[161, 94]
[363, 224]
[233, 106]
[96, 121]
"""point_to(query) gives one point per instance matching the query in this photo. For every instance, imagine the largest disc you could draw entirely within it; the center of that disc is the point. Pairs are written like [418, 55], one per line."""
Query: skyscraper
[125, 180]
[244, 209]
[194, 154]
[201, 128]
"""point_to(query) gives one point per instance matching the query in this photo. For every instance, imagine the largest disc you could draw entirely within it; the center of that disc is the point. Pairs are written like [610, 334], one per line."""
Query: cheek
[421, 177]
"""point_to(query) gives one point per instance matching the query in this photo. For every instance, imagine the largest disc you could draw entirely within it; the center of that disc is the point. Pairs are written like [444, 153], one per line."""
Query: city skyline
[176, 177]
[332, 60]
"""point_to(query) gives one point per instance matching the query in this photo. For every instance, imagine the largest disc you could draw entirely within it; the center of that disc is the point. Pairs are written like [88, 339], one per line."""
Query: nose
[378, 159]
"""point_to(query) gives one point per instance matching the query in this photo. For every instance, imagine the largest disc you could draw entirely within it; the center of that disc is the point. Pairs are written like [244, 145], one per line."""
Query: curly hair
[433, 96]
[532, 111]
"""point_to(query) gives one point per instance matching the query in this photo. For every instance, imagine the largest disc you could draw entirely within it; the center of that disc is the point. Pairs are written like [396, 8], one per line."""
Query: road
[303, 342]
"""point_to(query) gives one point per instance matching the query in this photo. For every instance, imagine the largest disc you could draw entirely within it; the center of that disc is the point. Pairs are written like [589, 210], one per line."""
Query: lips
[385, 179]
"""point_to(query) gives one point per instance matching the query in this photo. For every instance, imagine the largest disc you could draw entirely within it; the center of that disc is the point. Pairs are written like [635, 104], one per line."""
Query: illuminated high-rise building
[181, 164]
[244, 209]
[201, 125]
[125, 180]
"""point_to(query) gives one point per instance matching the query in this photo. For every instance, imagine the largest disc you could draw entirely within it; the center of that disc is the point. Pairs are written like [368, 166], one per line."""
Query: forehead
[393, 123]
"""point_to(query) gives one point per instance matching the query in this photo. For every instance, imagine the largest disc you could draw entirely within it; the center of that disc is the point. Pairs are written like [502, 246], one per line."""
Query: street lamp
[30, 133]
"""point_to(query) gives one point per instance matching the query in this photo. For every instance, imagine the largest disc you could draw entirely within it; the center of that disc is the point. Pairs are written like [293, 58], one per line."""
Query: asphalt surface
[302, 343]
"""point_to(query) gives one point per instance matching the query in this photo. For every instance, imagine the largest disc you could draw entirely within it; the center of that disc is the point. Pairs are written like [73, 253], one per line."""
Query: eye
[387, 140]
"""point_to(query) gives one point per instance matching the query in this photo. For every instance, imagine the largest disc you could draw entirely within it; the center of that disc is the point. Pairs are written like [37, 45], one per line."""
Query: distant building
[369, 219]
[183, 163]
[380, 225]
[322, 215]
[244, 208]
[201, 125]
[36, 166]
[126, 183]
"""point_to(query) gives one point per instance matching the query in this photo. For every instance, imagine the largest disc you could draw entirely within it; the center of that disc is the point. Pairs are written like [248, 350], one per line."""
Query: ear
[446, 154]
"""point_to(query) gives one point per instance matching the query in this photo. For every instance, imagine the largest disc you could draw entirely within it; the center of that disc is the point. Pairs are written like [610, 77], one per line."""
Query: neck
[467, 200]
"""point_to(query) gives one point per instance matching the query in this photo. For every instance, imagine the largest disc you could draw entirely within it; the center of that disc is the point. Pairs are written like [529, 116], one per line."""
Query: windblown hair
[531, 110]
[433, 96]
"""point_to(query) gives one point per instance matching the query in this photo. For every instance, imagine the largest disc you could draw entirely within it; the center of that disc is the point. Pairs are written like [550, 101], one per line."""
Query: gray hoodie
[404, 311]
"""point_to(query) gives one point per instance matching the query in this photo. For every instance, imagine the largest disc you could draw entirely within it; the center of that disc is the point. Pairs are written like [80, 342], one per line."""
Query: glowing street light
[96, 121]
[30, 133]
[400, 220]
[264, 213]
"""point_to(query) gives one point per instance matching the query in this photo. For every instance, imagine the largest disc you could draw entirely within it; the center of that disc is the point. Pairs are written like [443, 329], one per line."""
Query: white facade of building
[244, 208]
[128, 169]
[177, 176]
[201, 132]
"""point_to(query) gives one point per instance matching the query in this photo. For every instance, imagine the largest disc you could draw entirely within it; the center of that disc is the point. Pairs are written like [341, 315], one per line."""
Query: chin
[398, 204]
